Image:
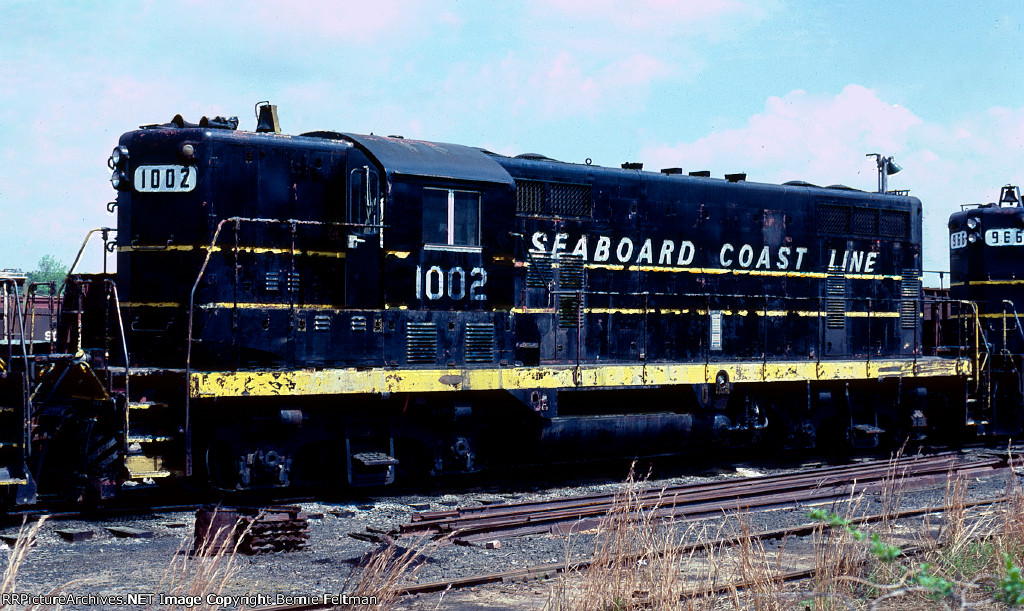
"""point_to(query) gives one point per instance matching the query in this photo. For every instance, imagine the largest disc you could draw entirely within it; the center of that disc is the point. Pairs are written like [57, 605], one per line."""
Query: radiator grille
[869, 222]
[893, 223]
[833, 219]
[864, 221]
[421, 342]
[553, 198]
[479, 342]
[569, 200]
[530, 197]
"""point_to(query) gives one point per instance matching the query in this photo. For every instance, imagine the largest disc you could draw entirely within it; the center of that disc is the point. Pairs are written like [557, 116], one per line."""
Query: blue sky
[781, 90]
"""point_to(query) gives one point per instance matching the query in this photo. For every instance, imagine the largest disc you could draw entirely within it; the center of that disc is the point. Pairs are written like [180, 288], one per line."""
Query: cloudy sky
[780, 89]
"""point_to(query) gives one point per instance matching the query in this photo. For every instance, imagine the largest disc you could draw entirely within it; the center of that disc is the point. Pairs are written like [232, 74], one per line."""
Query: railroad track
[690, 501]
[802, 530]
[553, 569]
[547, 571]
[695, 501]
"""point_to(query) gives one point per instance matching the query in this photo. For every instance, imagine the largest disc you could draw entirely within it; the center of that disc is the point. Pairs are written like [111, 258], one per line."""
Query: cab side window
[451, 217]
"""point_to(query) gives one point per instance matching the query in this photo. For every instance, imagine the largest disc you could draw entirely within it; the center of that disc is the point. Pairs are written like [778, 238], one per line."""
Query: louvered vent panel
[479, 342]
[538, 270]
[910, 291]
[421, 342]
[275, 281]
[358, 323]
[322, 322]
[570, 272]
[835, 299]
[293, 280]
[570, 311]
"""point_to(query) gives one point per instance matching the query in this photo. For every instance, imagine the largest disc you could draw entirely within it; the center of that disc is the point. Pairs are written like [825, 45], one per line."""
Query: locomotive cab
[986, 247]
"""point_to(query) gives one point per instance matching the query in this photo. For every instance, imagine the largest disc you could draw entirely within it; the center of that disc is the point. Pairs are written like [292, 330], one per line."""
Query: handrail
[1016, 317]
[24, 351]
[237, 220]
[979, 337]
[60, 302]
[26, 379]
[124, 347]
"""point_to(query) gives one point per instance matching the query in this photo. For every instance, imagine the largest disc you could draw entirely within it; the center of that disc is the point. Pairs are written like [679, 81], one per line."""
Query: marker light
[972, 223]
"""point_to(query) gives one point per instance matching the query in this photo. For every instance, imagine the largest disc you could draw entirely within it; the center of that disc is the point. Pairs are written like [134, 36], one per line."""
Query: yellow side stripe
[244, 249]
[150, 304]
[380, 380]
[987, 283]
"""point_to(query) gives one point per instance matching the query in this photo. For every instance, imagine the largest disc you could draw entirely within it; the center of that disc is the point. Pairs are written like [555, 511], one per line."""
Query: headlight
[119, 156]
[118, 180]
[972, 238]
[972, 223]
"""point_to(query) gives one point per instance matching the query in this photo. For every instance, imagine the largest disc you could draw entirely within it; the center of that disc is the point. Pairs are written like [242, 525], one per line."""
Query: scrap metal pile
[250, 530]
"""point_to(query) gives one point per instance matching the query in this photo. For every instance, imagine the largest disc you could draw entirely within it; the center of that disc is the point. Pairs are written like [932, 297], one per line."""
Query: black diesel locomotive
[292, 310]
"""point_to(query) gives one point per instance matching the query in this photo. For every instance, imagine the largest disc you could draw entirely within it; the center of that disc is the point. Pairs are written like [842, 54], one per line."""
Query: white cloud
[799, 136]
[823, 139]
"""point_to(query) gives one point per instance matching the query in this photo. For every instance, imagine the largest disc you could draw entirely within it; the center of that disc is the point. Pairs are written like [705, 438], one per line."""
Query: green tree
[51, 269]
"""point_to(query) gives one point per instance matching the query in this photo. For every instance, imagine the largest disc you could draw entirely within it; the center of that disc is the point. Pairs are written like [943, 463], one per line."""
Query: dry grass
[26, 539]
[636, 561]
[211, 568]
[16, 558]
[964, 560]
[207, 569]
[377, 581]
[640, 562]
[758, 570]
